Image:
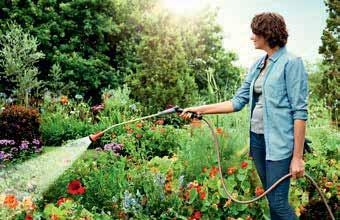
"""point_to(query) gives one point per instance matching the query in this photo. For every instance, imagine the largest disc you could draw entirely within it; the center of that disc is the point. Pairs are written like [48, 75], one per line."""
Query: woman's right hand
[186, 112]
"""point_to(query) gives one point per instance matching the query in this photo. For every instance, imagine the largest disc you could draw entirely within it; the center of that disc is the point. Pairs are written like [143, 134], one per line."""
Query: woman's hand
[297, 168]
[186, 112]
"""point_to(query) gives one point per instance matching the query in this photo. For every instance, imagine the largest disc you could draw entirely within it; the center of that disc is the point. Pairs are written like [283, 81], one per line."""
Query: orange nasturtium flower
[329, 184]
[219, 131]
[11, 202]
[168, 187]
[259, 191]
[54, 217]
[231, 170]
[213, 171]
[196, 123]
[64, 100]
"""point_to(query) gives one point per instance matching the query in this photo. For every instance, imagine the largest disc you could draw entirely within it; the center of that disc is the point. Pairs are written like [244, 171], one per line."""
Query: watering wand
[177, 109]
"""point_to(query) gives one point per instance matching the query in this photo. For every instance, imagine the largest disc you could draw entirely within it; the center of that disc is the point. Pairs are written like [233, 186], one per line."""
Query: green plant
[330, 50]
[18, 56]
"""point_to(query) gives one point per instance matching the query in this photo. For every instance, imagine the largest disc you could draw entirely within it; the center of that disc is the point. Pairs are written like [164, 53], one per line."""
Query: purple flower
[113, 147]
[23, 146]
[97, 108]
[36, 141]
[7, 142]
[2, 155]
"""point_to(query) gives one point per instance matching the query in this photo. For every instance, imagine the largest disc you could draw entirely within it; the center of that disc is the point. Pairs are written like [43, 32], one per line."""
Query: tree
[329, 85]
[18, 56]
[163, 76]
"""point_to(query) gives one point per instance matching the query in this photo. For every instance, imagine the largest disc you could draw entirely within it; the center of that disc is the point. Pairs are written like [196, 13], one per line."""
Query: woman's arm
[217, 108]
[239, 100]
[297, 90]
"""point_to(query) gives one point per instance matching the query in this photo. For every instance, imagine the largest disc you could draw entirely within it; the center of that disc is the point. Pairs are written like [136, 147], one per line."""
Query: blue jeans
[269, 172]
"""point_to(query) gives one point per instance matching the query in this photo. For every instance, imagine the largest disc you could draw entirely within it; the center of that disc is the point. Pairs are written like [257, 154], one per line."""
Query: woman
[276, 90]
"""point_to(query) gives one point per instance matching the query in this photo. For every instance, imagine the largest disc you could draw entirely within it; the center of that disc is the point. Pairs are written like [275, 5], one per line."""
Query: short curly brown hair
[272, 27]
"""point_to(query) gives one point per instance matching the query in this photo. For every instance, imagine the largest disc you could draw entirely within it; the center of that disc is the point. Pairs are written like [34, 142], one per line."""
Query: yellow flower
[28, 203]
[297, 211]
[2, 198]
[154, 170]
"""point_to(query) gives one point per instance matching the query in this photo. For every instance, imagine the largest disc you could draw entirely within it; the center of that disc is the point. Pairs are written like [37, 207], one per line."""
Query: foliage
[330, 49]
[64, 119]
[20, 136]
[18, 56]
[82, 37]
[94, 45]
[208, 61]
[19, 123]
[163, 70]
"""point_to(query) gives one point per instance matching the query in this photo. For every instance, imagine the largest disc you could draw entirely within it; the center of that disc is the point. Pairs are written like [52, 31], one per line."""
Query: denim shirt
[285, 91]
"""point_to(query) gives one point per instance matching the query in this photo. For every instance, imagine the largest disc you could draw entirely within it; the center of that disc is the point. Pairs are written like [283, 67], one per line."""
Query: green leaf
[193, 195]
[241, 177]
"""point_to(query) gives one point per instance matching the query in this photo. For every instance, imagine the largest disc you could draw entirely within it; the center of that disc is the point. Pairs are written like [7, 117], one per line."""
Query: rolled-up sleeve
[297, 88]
[241, 97]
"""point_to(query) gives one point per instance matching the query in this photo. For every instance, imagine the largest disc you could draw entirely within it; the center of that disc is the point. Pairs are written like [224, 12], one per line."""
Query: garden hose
[217, 145]
[176, 109]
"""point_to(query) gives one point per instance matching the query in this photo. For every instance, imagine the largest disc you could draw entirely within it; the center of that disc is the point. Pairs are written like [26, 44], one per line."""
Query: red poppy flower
[28, 217]
[75, 187]
[139, 125]
[138, 136]
[244, 164]
[197, 215]
[62, 200]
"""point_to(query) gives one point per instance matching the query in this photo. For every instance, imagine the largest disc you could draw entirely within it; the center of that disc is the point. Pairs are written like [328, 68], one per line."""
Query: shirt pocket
[277, 94]
[277, 89]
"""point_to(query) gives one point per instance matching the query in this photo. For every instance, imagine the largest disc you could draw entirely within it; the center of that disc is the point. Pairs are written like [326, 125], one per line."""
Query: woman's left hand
[297, 168]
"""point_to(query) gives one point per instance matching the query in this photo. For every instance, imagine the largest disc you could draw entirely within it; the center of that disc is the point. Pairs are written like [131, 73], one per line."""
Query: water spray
[176, 109]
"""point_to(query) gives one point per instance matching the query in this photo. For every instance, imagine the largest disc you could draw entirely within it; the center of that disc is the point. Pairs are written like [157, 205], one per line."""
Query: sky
[305, 20]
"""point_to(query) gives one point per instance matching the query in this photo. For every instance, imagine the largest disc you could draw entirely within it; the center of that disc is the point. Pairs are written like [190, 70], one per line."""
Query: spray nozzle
[193, 114]
[180, 110]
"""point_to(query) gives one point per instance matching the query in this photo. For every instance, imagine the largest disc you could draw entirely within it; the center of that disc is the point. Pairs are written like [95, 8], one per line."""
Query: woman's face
[259, 41]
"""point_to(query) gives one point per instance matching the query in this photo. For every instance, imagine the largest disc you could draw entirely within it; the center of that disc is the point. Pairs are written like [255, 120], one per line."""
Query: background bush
[20, 136]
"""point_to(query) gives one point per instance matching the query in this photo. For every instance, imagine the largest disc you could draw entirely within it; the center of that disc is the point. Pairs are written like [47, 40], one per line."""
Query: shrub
[18, 56]
[19, 123]
[20, 135]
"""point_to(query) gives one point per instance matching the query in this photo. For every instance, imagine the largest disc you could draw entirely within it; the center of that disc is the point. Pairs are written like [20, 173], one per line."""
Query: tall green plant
[163, 76]
[18, 56]
[330, 81]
